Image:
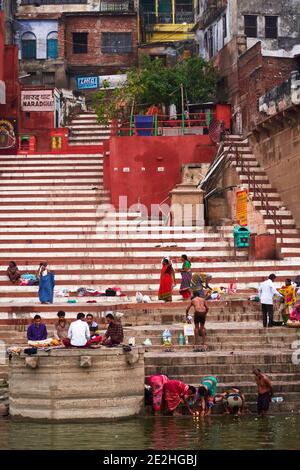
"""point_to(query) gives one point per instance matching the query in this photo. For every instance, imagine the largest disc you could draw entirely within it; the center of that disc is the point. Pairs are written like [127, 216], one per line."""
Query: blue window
[52, 45]
[28, 46]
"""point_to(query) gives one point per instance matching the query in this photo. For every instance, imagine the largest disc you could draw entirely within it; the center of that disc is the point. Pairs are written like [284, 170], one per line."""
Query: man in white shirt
[79, 332]
[266, 293]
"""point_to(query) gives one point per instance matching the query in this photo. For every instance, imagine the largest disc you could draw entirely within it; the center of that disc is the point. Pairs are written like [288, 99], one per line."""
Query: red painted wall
[2, 37]
[150, 186]
[9, 73]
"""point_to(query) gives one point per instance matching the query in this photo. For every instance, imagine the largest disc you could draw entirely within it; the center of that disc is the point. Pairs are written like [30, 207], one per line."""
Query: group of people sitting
[44, 278]
[171, 396]
[83, 332]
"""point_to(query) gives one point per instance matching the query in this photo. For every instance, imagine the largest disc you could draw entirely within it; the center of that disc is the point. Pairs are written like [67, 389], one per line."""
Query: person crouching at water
[156, 382]
[46, 284]
[233, 401]
[265, 391]
[13, 272]
[37, 331]
[206, 395]
[200, 311]
[114, 334]
[176, 392]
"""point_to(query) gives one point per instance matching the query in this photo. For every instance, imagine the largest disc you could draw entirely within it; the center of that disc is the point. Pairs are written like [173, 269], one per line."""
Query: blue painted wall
[41, 29]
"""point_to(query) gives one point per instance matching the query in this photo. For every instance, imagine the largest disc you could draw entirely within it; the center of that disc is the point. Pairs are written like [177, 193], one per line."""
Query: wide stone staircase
[85, 130]
[54, 208]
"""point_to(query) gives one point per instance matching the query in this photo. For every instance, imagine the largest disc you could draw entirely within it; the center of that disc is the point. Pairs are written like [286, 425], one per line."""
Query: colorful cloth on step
[295, 315]
[174, 391]
[157, 382]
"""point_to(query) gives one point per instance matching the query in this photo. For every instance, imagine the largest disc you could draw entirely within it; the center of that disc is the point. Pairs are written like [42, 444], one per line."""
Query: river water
[157, 433]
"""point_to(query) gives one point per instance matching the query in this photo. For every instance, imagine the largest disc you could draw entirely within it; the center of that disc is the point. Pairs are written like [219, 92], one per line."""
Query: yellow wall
[170, 32]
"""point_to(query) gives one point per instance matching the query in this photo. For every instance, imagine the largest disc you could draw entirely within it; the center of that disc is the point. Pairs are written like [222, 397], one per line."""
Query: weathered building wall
[95, 26]
[41, 29]
[281, 97]
[256, 75]
[77, 384]
[288, 12]
[222, 37]
[278, 151]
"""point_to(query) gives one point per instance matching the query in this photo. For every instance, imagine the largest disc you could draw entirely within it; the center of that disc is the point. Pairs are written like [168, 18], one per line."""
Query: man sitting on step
[37, 331]
[114, 333]
[79, 333]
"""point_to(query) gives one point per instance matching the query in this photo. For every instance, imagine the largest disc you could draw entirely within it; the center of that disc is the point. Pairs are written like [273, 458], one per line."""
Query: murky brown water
[159, 433]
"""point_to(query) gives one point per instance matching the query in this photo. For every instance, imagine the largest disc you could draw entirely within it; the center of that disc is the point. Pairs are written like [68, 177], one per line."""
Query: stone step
[94, 142]
[259, 358]
[218, 370]
[232, 378]
[80, 157]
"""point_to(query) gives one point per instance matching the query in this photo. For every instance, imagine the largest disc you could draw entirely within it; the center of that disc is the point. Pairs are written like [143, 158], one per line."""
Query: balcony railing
[181, 17]
[122, 6]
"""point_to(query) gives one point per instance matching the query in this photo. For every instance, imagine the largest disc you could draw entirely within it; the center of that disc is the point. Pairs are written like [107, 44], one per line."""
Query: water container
[277, 399]
[181, 339]
[167, 337]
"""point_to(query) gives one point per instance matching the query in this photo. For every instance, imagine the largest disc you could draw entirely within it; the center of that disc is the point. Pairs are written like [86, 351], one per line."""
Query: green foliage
[155, 84]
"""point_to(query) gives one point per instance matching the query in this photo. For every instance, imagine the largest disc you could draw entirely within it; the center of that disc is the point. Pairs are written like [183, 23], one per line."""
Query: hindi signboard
[241, 207]
[37, 100]
[87, 83]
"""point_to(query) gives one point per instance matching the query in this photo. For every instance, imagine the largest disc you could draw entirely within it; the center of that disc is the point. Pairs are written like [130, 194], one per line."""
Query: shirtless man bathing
[200, 311]
[265, 392]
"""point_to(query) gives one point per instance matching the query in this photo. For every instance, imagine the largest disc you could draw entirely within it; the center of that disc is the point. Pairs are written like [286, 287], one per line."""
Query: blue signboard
[87, 83]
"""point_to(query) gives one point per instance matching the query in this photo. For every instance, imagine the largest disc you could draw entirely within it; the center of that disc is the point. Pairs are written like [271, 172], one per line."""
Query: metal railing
[232, 156]
[181, 16]
[259, 193]
[183, 121]
[122, 6]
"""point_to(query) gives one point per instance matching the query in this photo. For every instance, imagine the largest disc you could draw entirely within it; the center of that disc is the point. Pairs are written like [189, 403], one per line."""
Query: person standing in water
[265, 391]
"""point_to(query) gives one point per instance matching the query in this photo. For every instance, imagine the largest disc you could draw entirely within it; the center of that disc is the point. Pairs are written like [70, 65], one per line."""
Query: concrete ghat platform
[77, 384]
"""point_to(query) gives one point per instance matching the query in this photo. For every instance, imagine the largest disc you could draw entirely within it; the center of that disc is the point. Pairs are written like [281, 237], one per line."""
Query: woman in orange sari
[167, 281]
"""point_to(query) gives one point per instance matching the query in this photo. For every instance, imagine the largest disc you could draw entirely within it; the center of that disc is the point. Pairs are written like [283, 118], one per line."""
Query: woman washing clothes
[46, 284]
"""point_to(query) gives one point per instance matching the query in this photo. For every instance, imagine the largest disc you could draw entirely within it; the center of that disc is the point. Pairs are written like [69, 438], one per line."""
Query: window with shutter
[28, 46]
[116, 43]
[52, 45]
[251, 26]
[80, 43]
[271, 27]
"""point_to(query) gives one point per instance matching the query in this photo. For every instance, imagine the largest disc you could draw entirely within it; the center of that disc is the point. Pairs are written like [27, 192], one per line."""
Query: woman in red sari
[157, 382]
[167, 281]
[176, 392]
